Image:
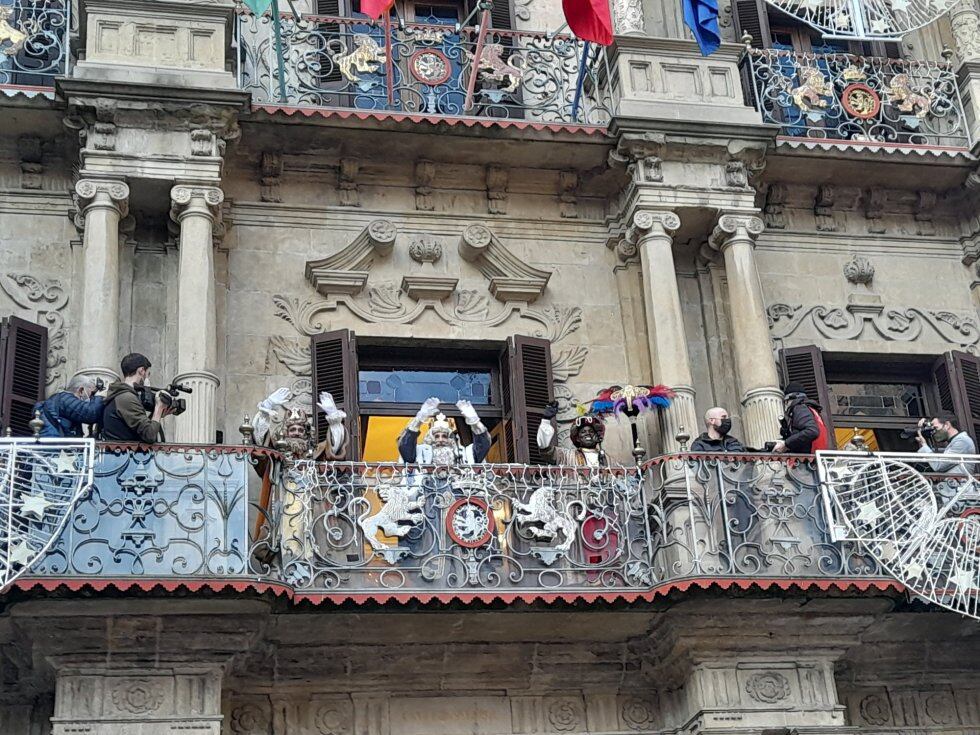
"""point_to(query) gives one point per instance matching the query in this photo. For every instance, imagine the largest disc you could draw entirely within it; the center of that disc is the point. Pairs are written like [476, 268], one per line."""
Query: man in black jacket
[799, 427]
[124, 418]
[716, 438]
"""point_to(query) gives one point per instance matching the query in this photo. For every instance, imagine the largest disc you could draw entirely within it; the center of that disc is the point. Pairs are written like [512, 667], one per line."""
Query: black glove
[784, 431]
[550, 411]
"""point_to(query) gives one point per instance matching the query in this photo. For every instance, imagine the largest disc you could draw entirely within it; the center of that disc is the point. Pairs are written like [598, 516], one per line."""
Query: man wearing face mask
[124, 418]
[946, 429]
[717, 439]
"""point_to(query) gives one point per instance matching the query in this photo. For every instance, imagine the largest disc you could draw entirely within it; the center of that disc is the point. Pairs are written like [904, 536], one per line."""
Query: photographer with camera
[67, 411]
[125, 416]
[944, 430]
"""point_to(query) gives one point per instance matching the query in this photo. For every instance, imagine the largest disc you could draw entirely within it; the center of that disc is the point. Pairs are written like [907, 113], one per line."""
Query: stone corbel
[925, 204]
[497, 181]
[270, 175]
[874, 210]
[774, 209]
[425, 175]
[823, 209]
[29, 150]
[511, 279]
[350, 195]
[346, 272]
[567, 199]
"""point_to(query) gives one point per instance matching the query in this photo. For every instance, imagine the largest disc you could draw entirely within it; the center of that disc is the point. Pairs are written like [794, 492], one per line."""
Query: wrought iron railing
[423, 69]
[33, 42]
[373, 531]
[862, 99]
[170, 513]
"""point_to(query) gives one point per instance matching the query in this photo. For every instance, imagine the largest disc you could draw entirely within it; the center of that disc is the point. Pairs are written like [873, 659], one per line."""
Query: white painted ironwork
[865, 19]
[918, 515]
[41, 481]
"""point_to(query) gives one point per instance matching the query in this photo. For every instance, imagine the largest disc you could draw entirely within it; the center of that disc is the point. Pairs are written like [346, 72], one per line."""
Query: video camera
[927, 431]
[168, 397]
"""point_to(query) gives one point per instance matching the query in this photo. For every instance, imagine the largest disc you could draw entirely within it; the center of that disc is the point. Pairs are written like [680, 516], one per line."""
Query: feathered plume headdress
[629, 400]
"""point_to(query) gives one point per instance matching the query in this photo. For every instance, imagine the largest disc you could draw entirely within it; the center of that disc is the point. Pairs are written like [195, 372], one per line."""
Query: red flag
[376, 8]
[589, 20]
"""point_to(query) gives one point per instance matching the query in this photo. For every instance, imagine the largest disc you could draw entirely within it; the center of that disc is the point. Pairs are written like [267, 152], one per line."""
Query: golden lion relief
[367, 58]
[492, 66]
[813, 86]
[900, 91]
[9, 33]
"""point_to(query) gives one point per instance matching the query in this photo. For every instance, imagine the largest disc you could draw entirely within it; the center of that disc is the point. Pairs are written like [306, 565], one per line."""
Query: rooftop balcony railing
[33, 43]
[423, 70]
[861, 99]
[214, 516]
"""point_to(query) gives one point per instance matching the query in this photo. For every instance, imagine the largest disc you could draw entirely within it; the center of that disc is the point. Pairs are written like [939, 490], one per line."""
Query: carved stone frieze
[425, 175]
[736, 174]
[639, 714]
[497, 180]
[205, 143]
[138, 696]
[511, 279]
[852, 322]
[346, 272]
[43, 301]
[566, 714]
[102, 136]
[425, 250]
[350, 195]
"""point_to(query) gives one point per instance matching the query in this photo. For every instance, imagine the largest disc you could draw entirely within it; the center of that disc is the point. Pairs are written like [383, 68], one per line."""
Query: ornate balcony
[424, 70]
[182, 516]
[33, 43]
[867, 100]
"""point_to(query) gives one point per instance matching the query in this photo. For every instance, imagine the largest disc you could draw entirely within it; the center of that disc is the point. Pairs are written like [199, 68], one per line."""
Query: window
[877, 396]
[380, 384]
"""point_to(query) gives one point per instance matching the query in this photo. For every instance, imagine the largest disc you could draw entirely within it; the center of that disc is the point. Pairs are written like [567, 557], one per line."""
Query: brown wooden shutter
[804, 365]
[502, 15]
[527, 391]
[751, 18]
[23, 367]
[956, 376]
[335, 370]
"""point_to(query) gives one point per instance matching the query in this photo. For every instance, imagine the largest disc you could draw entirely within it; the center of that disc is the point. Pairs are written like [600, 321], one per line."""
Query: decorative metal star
[900, 5]
[879, 25]
[965, 579]
[34, 504]
[869, 512]
[21, 554]
[65, 463]
[842, 20]
[813, 5]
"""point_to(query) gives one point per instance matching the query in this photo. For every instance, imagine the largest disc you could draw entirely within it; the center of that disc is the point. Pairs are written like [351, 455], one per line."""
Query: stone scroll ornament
[41, 483]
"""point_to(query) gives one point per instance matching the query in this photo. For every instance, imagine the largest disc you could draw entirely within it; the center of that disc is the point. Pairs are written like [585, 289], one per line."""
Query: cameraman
[66, 411]
[945, 429]
[124, 418]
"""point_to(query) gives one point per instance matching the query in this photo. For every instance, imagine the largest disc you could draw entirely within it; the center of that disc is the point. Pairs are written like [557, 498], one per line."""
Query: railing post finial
[682, 438]
[36, 424]
[247, 432]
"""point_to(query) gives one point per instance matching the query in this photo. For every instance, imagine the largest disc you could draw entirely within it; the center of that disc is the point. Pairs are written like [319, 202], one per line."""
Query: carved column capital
[628, 17]
[964, 20]
[102, 193]
[195, 200]
[732, 228]
[657, 221]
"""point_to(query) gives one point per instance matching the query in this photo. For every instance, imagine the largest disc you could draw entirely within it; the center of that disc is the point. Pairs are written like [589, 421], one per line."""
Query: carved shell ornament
[859, 271]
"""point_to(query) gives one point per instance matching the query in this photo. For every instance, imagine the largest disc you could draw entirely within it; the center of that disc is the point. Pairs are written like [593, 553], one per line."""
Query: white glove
[329, 407]
[469, 413]
[271, 404]
[429, 409]
[546, 434]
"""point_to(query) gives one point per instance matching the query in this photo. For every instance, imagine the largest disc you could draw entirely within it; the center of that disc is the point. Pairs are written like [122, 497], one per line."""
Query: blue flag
[701, 16]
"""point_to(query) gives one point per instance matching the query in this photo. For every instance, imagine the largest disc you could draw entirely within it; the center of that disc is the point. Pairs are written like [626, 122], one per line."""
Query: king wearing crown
[293, 434]
[586, 436]
[441, 445]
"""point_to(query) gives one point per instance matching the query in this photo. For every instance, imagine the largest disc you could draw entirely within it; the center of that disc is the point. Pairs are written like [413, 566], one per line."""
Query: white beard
[444, 455]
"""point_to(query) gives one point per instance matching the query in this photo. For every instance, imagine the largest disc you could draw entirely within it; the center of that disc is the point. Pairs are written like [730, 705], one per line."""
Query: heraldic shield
[41, 482]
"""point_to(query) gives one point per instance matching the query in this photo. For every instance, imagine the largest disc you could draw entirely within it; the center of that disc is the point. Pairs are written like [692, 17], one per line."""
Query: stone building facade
[689, 222]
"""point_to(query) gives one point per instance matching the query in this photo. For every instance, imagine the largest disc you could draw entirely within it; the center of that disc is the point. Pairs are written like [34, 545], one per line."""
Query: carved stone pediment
[346, 272]
[511, 279]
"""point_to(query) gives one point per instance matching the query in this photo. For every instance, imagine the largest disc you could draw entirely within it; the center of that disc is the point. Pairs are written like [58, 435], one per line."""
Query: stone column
[653, 231]
[102, 203]
[762, 400]
[628, 17]
[195, 209]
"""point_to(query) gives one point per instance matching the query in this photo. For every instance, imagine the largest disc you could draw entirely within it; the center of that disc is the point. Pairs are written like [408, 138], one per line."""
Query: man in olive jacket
[124, 419]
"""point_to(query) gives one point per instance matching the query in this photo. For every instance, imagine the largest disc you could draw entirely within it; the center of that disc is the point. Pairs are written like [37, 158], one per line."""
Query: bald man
[716, 438]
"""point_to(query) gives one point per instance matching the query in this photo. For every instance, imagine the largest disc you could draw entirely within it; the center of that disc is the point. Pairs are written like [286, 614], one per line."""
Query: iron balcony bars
[859, 99]
[203, 516]
[33, 42]
[424, 69]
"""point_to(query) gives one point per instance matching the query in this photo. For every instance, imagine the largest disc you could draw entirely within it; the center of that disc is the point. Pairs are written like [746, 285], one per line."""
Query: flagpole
[390, 64]
[581, 80]
[471, 86]
[281, 64]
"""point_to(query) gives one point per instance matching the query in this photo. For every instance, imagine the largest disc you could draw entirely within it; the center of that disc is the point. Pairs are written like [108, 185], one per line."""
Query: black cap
[792, 388]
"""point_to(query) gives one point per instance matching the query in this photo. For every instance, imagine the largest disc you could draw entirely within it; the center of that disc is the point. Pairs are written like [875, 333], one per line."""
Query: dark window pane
[414, 386]
[899, 400]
